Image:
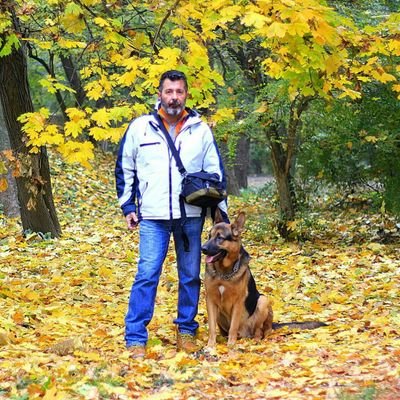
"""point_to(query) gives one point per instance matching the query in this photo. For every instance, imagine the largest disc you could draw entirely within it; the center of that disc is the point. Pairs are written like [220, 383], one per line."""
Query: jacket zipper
[170, 162]
[170, 186]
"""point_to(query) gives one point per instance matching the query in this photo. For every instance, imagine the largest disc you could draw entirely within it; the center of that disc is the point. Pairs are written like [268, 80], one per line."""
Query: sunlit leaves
[222, 115]
[8, 43]
[78, 152]
[52, 85]
[72, 20]
[63, 304]
[120, 50]
[39, 131]
[77, 122]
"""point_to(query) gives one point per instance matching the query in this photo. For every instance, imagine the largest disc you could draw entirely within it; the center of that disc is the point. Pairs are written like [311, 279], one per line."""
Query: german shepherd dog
[233, 301]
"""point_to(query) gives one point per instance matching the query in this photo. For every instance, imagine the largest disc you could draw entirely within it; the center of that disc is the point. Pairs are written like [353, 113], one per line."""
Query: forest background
[304, 92]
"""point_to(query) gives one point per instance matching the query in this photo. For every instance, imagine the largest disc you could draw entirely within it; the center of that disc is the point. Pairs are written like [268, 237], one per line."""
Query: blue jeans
[154, 236]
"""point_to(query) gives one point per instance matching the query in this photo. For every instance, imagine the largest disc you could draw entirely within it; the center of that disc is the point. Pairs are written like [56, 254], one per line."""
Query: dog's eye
[220, 238]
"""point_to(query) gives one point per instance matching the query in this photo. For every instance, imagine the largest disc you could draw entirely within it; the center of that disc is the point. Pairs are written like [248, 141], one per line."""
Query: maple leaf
[277, 29]
[254, 19]
[101, 117]
[72, 23]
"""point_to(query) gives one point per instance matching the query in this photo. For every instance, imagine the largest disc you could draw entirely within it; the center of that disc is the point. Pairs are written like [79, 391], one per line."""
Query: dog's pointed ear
[238, 225]
[218, 216]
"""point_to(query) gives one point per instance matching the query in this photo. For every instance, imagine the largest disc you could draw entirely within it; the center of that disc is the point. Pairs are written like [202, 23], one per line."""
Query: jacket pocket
[149, 144]
[141, 192]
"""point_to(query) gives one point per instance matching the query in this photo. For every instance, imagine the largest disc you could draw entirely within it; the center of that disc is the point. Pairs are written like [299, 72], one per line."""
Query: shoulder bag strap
[182, 171]
[171, 144]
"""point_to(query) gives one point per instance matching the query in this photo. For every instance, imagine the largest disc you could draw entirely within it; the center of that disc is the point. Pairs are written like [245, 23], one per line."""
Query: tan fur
[226, 297]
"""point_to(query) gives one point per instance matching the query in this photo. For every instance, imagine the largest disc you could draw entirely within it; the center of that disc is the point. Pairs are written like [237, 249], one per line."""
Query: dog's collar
[230, 275]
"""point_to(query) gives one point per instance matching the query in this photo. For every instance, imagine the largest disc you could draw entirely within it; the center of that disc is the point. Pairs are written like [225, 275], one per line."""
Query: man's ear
[238, 225]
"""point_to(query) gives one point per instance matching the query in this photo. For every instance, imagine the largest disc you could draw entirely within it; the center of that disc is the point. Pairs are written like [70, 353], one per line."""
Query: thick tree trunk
[38, 213]
[8, 198]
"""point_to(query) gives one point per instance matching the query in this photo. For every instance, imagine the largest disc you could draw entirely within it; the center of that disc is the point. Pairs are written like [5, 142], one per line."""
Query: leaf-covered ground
[62, 307]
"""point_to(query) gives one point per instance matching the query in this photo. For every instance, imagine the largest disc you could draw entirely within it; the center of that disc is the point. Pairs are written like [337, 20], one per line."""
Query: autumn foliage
[119, 49]
[63, 303]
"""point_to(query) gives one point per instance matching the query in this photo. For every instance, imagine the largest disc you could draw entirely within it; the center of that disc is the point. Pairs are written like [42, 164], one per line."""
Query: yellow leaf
[170, 55]
[262, 109]
[80, 152]
[101, 117]
[277, 29]
[77, 122]
[254, 19]
[29, 295]
[72, 23]
[292, 225]
[228, 13]
[222, 115]
[4, 339]
[101, 22]
[371, 139]
[55, 394]
[90, 2]
[70, 44]
[105, 272]
[316, 307]
[94, 90]
[3, 184]
[99, 133]
[383, 76]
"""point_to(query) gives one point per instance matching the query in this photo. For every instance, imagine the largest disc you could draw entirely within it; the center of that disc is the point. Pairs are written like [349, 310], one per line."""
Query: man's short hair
[172, 75]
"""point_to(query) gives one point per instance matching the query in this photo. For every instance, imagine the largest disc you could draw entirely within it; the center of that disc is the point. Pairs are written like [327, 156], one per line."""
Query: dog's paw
[211, 350]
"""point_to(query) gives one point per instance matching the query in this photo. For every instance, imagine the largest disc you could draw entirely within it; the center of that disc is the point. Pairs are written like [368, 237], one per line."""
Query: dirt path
[258, 181]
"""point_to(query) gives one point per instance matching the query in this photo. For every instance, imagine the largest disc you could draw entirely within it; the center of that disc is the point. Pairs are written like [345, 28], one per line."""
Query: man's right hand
[132, 220]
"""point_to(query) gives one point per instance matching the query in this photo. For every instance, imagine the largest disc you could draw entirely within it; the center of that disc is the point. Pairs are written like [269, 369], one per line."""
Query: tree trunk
[74, 79]
[242, 161]
[8, 198]
[284, 142]
[35, 197]
[231, 180]
[283, 182]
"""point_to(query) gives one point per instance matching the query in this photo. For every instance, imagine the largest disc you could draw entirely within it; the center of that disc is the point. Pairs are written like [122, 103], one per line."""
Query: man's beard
[173, 109]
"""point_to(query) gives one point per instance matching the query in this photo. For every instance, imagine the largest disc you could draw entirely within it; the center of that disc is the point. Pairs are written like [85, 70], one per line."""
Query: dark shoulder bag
[201, 188]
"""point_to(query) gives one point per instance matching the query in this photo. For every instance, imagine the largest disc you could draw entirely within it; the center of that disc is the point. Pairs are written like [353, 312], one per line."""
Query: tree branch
[164, 20]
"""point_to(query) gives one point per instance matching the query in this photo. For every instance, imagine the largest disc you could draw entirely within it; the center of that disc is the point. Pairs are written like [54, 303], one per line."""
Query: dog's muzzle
[213, 255]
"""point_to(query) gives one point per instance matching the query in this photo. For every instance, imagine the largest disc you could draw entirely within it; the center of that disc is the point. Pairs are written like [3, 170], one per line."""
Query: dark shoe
[137, 352]
[186, 342]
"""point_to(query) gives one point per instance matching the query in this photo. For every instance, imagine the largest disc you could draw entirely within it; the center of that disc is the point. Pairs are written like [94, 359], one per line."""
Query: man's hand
[132, 221]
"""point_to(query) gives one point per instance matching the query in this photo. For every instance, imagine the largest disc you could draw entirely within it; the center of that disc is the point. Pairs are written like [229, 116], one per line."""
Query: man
[148, 188]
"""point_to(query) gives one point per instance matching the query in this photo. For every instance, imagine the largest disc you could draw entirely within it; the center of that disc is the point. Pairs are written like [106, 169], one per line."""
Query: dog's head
[224, 240]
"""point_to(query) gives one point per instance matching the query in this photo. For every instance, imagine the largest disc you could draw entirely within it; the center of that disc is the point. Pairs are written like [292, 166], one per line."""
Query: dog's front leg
[237, 312]
[212, 311]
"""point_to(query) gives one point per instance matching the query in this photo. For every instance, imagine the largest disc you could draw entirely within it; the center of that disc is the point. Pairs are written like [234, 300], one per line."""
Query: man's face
[173, 96]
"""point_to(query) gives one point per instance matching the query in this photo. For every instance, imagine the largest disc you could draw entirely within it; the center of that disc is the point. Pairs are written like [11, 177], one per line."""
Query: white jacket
[147, 179]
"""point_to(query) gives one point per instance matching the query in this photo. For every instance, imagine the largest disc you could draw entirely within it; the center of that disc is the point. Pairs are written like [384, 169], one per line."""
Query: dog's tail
[299, 325]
